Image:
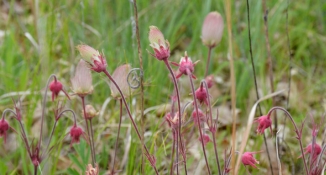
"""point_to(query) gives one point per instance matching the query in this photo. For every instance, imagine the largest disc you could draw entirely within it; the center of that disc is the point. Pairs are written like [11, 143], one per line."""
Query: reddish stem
[198, 121]
[208, 60]
[116, 142]
[130, 116]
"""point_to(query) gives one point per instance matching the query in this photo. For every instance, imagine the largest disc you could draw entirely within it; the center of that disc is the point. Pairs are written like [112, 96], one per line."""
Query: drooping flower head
[212, 29]
[55, 87]
[160, 46]
[309, 150]
[200, 114]
[4, 126]
[90, 112]
[205, 140]
[82, 81]
[120, 76]
[264, 122]
[94, 58]
[247, 158]
[75, 133]
[185, 66]
[209, 81]
[201, 94]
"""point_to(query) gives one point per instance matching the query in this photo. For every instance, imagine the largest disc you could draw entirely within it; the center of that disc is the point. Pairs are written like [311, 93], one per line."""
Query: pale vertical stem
[141, 82]
[208, 60]
[116, 142]
[233, 85]
[179, 109]
[88, 132]
[129, 114]
[198, 120]
[255, 81]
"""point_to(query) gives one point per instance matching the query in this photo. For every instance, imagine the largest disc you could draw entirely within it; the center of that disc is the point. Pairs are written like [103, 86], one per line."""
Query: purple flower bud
[4, 126]
[264, 122]
[75, 133]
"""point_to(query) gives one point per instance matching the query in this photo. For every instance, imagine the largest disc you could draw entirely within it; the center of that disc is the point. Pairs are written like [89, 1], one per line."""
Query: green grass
[58, 26]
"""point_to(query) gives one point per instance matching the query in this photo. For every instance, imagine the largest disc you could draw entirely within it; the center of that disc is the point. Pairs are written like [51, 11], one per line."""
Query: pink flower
[4, 126]
[209, 81]
[55, 87]
[201, 116]
[82, 81]
[120, 76]
[247, 158]
[201, 95]
[316, 151]
[212, 29]
[75, 133]
[93, 57]
[206, 139]
[264, 122]
[160, 46]
[185, 65]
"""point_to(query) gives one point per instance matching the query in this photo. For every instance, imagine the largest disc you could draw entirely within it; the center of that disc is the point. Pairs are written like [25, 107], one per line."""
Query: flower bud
[90, 112]
[264, 122]
[212, 29]
[201, 95]
[185, 66]
[247, 158]
[4, 126]
[55, 87]
[206, 139]
[82, 81]
[209, 81]
[75, 133]
[200, 114]
[160, 46]
[120, 76]
[93, 57]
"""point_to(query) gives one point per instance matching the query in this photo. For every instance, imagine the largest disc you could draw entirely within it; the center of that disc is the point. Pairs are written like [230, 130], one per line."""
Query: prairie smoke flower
[35, 156]
[200, 114]
[93, 57]
[264, 122]
[120, 76]
[90, 112]
[212, 29]
[247, 158]
[55, 87]
[184, 65]
[317, 150]
[4, 126]
[172, 121]
[82, 81]
[160, 46]
[92, 171]
[206, 139]
[209, 81]
[201, 95]
[75, 133]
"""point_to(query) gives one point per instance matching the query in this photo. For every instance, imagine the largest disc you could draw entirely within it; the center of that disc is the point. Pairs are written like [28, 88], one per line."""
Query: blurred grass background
[38, 38]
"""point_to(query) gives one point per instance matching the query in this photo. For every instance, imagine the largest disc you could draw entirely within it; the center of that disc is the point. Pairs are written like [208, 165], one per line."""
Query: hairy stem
[117, 140]
[130, 116]
[179, 109]
[296, 130]
[88, 132]
[208, 60]
[255, 81]
[198, 121]
[212, 125]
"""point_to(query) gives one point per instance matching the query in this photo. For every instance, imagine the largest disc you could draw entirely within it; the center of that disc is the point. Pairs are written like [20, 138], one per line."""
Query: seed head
[212, 29]
[160, 46]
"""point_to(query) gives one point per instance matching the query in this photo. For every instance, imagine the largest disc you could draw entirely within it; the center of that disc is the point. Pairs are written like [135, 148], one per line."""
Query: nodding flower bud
[206, 139]
[75, 133]
[200, 114]
[55, 87]
[160, 46]
[212, 29]
[247, 158]
[201, 94]
[90, 112]
[94, 58]
[82, 81]
[186, 66]
[209, 81]
[172, 121]
[4, 126]
[120, 76]
[264, 122]
[92, 171]
[309, 150]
